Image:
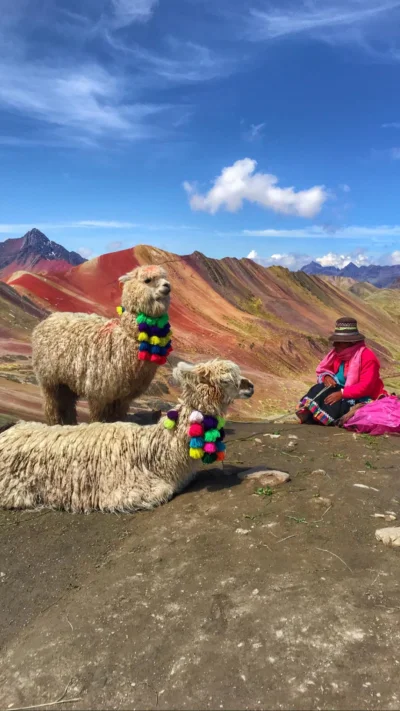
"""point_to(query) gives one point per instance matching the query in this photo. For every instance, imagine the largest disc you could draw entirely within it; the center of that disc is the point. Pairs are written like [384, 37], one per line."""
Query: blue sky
[237, 127]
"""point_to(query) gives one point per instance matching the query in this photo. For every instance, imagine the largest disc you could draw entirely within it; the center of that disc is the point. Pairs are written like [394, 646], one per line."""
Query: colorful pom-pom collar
[206, 434]
[154, 337]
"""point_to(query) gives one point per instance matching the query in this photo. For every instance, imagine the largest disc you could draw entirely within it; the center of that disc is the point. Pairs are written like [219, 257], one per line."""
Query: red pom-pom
[156, 358]
[144, 355]
[169, 350]
[196, 430]
[220, 456]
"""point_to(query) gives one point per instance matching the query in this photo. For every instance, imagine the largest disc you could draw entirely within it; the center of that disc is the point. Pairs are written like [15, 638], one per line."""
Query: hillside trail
[231, 596]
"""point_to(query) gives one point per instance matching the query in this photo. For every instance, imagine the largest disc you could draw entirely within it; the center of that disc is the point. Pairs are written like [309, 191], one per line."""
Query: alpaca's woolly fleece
[117, 466]
[87, 356]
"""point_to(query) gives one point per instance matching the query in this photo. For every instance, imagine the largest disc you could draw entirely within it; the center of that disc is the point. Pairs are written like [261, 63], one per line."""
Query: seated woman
[349, 374]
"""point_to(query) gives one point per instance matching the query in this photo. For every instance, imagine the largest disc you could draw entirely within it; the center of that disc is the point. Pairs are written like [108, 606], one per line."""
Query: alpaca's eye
[147, 281]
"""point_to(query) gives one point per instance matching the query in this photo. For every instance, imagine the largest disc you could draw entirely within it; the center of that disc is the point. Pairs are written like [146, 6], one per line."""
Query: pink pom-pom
[196, 430]
[210, 447]
[196, 416]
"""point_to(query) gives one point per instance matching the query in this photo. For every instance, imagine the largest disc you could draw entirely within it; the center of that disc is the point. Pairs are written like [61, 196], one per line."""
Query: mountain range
[35, 252]
[274, 323]
[379, 276]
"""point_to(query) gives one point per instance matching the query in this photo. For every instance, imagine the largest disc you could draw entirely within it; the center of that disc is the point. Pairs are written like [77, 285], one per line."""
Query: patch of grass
[298, 519]
[370, 441]
[264, 491]
[369, 465]
[338, 455]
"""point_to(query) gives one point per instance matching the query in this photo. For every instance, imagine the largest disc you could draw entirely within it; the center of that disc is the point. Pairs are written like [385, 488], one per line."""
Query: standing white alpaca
[78, 355]
[121, 466]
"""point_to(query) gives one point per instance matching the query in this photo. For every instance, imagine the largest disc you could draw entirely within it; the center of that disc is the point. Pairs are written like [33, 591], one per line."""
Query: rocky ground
[235, 595]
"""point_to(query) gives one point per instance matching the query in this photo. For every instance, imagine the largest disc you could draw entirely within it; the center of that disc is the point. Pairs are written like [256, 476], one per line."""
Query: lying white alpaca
[115, 466]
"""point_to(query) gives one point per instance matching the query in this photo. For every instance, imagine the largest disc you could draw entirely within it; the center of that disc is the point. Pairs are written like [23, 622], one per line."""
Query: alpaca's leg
[51, 405]
[67, 405]
[111, 412]
[59, 405]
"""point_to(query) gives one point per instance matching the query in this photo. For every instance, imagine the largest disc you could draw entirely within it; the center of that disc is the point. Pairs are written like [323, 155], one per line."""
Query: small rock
[242, 531]
[318, 471]
[266, 477]
[293, 437]
[389, 536]
[364, 486]
[388, 516]
[259, 441]
[273, 436]
[321, 501]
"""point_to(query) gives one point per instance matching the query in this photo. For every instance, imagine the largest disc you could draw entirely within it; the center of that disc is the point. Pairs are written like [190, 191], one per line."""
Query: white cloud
[357, 23]
[255, 132]
[239, 182]
[292, 261]
[395, 124]
[113, 224]
[128, 11]
[296, 261]
[345, 188]
[395, 153]
[340, 261]
[103, 88]
[114, 246]
[20, 228]
[176, 62]
[86, 102]
[253, 255]
[85, 252]
[318, 231]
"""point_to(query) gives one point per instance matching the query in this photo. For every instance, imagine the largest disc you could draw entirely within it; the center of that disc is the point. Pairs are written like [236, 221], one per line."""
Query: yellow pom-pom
[195, 453]
[169, 424]
[166, 339]
[119, 310]
[143, 337]
[155, 340]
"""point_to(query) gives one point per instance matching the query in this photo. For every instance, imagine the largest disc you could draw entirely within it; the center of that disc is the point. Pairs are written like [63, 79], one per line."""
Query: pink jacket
[370, 383]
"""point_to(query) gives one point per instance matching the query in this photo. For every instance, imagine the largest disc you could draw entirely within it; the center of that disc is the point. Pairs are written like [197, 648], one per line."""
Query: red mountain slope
[273, 322]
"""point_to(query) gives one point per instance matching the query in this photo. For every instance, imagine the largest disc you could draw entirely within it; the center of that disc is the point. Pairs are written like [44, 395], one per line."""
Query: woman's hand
[334, 397]
[329, 382]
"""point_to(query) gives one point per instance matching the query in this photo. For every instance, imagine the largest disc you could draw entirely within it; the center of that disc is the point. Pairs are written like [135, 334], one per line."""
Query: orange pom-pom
[196, 430]
[220, 456]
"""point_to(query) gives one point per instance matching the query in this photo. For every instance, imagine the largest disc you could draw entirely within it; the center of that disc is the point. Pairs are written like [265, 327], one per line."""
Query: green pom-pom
[221, 422]
[169, 424]
[161, 321]
[209, 458]
[212, 435]
[142, 318]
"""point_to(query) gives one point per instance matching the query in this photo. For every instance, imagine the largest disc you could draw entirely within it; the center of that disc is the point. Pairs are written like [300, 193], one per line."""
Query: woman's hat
[346, 331]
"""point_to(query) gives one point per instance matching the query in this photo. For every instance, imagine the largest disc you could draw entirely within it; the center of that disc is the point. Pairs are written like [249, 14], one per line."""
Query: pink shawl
[351, 357]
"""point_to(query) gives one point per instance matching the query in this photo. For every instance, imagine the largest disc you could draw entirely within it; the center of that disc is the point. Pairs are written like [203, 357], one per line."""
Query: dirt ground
[224, 598]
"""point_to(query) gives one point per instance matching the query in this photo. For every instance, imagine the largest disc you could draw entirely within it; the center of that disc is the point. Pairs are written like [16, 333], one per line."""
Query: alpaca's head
[211, 387]
[146, 289]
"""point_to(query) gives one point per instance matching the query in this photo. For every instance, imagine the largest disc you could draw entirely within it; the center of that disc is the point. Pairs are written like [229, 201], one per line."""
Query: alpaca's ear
[183, 371]
[128, 277]
[123, 279]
